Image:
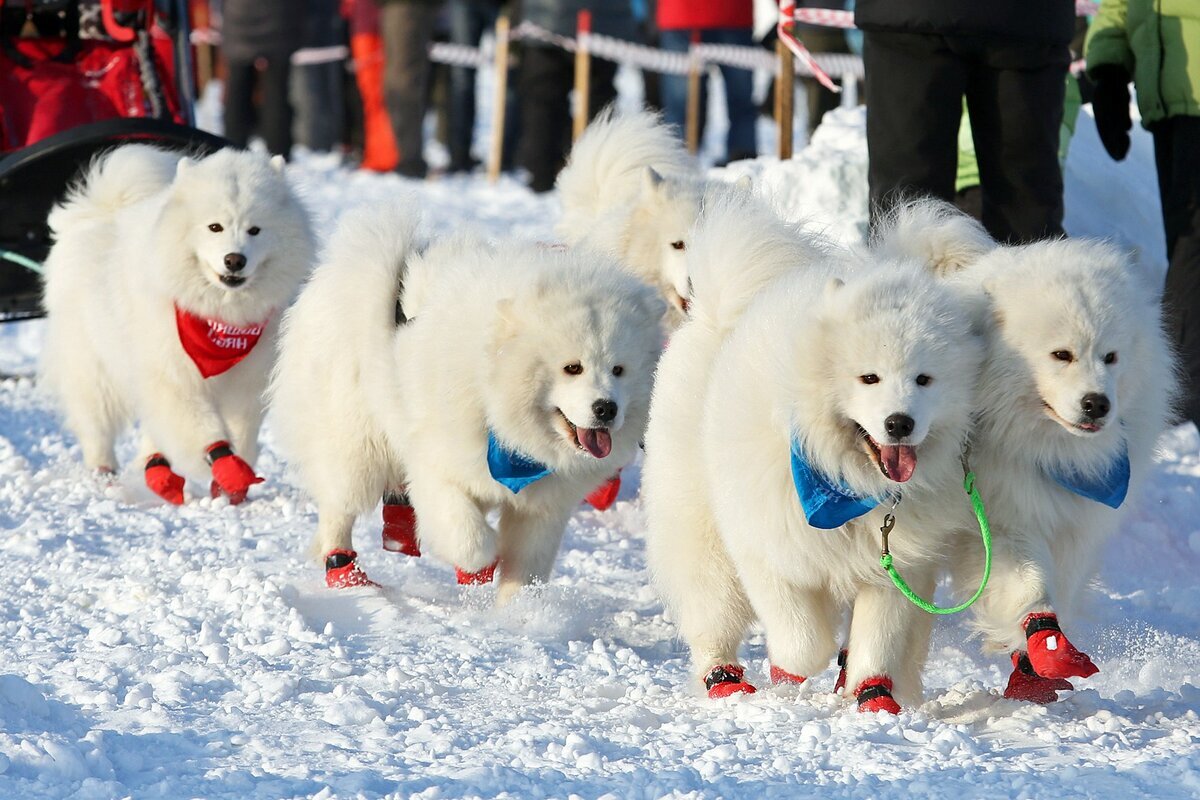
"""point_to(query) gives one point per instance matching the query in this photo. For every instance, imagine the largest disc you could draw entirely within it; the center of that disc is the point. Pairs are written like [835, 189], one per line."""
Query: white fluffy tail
[365, 261]
[933, 232]
[739, 246]
[115, 179]
[608, 165]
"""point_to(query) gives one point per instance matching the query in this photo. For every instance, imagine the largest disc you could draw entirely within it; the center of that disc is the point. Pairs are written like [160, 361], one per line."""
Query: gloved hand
[1110, 105]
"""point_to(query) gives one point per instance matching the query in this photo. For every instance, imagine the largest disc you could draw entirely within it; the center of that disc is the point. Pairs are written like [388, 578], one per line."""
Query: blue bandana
[1109, 489]
[510, 467]
[825, 505]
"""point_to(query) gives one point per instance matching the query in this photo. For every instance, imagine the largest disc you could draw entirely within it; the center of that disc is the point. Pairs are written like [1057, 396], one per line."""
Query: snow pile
[162, 652]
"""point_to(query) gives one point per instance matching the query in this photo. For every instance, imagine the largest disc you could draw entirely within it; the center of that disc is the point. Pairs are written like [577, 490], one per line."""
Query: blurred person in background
[469, 21]
[1010, 61]
[1156, 44]
[715, 22]
[547, 75]
[258, 38]
[820, 39]
[317, 88]
[366, 48]
[407, 28]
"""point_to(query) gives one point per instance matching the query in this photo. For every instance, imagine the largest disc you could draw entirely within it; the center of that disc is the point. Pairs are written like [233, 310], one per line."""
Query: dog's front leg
[181, 416]
[889, 640]
[451, 523]
[799, 621]
[529, 540]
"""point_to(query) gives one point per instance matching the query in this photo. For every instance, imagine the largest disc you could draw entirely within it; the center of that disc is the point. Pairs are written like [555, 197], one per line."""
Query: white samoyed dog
[631, 190]
[164, 290]
[511, 377]
[1078, 385]
[813, 403]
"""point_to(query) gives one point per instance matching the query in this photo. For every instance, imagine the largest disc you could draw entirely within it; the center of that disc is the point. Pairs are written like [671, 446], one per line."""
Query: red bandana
[213, 345]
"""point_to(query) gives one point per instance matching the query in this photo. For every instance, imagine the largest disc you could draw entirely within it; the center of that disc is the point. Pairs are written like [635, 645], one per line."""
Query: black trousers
[546, 78]
[1177, 157]
[273, 120]
[915, 84]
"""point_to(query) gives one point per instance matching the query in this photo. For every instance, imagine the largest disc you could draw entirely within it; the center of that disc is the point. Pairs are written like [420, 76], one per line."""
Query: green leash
[20, 260]
[985, 532]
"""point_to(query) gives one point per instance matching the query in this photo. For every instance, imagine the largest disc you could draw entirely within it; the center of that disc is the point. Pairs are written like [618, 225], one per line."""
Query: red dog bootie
[840, 683]
[726, 679]
[1051, 654]
[342, 570]
[1025, 684]
[162, 481]
[875, 694]
[780, 675]
[485, 575]
[232, 476]
[604, 495]
[400, 526]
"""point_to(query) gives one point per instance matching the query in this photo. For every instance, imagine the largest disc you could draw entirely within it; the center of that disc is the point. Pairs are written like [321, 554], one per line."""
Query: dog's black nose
[605, 410]
[235, 262]
[899, 425]
[1095, 405]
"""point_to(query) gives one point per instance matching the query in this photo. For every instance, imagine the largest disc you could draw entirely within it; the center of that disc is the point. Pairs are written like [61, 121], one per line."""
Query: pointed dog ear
[278, 163]
[745, 183]
[184, 165]
[651, 180]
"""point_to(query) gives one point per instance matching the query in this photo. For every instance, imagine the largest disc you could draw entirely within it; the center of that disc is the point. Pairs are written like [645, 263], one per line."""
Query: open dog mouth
[897, 462]
[232, 281]
[1086, 427]
[596, 442]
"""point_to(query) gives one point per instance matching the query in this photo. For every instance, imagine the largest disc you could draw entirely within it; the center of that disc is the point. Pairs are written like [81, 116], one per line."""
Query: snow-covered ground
[156, 652]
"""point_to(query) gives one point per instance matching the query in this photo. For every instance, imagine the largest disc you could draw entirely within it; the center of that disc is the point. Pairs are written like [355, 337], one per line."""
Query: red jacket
[703, 14]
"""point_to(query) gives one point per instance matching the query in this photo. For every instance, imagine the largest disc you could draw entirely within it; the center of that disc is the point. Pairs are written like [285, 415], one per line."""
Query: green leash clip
[985, 532]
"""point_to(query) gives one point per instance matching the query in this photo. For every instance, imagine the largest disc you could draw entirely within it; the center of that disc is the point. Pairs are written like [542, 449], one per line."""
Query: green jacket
[1158, 43]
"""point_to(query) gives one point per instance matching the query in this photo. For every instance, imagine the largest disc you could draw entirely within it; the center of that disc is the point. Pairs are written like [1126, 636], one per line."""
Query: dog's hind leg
[95, 413]
[889, 639]
[529, 542]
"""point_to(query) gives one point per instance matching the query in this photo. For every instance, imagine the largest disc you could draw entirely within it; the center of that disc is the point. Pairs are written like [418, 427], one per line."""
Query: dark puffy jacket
[261, 28]
[609, 17]
[1049, 21]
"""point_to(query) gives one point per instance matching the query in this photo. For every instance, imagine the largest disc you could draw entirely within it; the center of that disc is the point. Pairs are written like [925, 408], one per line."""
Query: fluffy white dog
[630, 189]
[1077, 388]
[164, 288]
[823, 400]
[511, 377]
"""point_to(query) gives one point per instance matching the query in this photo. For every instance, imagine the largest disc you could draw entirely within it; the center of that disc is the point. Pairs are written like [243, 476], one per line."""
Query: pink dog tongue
[597, 441]
[899, 461]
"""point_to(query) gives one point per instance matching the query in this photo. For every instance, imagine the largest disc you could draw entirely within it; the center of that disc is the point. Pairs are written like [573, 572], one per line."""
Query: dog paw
[726, 679]
[485, 575]
[840, 683]
[342, 571]
[1051, 653]
[875, 694]
[231, 474]
[400, 529]
[782, 676]
[1024, 684]
[162, 481]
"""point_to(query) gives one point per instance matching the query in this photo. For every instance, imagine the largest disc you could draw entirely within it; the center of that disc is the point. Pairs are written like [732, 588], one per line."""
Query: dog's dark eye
[1110, 358]
[924, 380]
[618, 370]
[1063, 355]
[254, 230]
[869, 379]
[574, 368]
[216, 227]
[679, 245]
